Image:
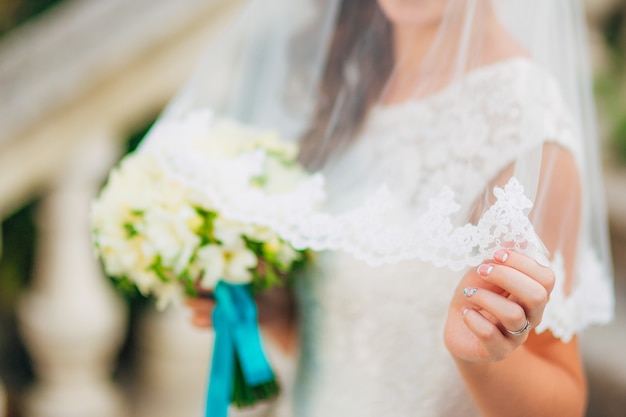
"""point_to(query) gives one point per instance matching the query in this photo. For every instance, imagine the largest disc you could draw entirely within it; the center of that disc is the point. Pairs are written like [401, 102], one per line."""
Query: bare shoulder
[500, 45]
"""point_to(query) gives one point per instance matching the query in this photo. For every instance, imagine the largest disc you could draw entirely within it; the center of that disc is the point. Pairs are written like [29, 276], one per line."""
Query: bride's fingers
[201, 311]
[528, 266]
[201, 321]
[508, 314]
[491, 338]
[529, 293]
[200, 304]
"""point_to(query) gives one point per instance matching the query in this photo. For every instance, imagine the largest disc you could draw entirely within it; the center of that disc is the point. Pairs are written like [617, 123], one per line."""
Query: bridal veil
[501, 147]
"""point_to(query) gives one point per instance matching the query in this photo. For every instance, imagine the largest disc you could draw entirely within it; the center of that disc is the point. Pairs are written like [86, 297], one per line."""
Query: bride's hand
[495, 305]
[201, 309]
[276, 314]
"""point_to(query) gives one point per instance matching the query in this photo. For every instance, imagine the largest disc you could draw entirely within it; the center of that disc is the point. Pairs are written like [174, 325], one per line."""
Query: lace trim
[365, 231]
[591, 300]
[464, 136]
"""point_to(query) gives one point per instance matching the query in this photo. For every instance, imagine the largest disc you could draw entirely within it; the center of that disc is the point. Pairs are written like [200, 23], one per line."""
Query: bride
[437, 110]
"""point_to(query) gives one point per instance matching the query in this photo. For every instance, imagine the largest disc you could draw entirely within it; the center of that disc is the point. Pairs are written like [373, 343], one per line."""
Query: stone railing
[61, 134]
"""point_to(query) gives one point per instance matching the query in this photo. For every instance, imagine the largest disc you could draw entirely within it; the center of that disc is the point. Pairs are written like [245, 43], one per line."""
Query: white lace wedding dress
[372, 337]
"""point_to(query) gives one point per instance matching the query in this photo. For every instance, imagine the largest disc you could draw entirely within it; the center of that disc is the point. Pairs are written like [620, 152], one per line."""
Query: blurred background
[80, 83]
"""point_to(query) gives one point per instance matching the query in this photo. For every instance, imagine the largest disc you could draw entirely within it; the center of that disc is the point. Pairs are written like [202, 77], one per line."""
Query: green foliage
[245, 395]
[163, 273]
[206, 228]
[16, 263]
[131, 231]
[15, 12]
[614, 29]
[610, 86]
[135, 138]
[620, 138]
[127, 287]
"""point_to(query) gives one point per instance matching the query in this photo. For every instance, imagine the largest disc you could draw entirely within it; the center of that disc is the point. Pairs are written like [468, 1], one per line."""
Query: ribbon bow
[236, 337]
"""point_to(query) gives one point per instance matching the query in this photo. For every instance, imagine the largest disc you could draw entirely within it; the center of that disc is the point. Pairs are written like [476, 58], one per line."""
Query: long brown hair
[359, 62]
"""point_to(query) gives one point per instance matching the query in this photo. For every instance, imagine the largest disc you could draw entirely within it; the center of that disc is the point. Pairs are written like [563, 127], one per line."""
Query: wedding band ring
[523, 330]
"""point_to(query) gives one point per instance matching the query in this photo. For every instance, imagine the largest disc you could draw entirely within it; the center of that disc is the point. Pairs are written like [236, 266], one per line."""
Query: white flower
[230, 262]
[211, 259]
[228, 232]
[281, 178]
[227, 139]
[261, 234]
[271, 143]
[166, 294]
[169, 235]
[146, 215]
[121, 255]
[279, 251]
[144, 280]
[287, 255]
[240, 261]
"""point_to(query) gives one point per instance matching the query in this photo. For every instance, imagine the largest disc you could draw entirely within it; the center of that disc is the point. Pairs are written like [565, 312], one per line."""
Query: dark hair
[359, 62]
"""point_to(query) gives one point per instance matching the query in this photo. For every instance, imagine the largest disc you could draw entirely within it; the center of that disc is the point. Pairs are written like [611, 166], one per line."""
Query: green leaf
[160, 271]
[126, 287]
[205, 232]
[131, 231]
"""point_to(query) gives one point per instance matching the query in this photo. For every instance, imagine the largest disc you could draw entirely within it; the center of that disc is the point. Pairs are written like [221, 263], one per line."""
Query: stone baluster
[173, 362]
[71, 320]
[3, 396]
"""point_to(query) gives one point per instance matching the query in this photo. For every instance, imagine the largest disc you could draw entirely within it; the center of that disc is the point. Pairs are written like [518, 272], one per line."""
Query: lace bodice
[462, 136]
[372, 341]
[372, 337]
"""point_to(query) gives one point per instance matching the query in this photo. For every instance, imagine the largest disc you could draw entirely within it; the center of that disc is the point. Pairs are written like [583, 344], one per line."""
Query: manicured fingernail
[501, 256]
[469, 291]
[484, 269]
[464, 311]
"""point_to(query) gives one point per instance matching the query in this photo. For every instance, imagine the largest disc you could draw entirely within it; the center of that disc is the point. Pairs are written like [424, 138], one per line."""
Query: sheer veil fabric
[440, 131]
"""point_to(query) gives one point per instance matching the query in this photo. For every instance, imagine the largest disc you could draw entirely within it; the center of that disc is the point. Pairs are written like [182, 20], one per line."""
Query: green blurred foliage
[610, 86]
[15, 12]
[16, 266]
[16, 262]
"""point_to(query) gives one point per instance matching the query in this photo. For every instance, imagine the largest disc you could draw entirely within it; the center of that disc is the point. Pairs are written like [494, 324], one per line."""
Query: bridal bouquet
[157, 228]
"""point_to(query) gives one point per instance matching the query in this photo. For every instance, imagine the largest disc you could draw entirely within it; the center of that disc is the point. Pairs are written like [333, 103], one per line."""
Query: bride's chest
[349, 290]
[374, 319]
[416, 150]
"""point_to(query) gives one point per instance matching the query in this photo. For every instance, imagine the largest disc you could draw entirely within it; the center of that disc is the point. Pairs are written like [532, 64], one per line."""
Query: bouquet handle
[237, 338]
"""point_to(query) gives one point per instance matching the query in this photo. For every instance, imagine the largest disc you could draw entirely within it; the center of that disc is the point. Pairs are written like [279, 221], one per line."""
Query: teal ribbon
[236, 333]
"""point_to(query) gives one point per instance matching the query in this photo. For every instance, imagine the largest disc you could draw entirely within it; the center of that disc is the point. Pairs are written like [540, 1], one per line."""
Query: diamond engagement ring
[523, 330]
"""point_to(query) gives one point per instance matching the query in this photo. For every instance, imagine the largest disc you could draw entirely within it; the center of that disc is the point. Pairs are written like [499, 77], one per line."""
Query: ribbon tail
[237, 338]
[221, 378]
[247, 340]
